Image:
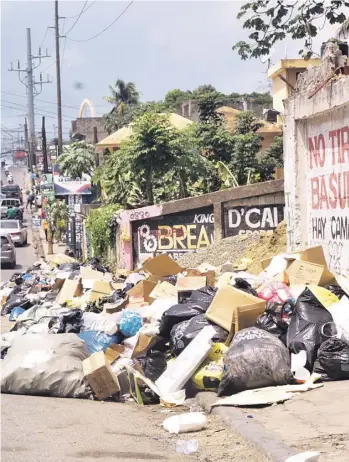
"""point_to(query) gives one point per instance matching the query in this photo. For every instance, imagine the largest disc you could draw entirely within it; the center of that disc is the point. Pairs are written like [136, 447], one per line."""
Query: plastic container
[187, 446]
[184, 423]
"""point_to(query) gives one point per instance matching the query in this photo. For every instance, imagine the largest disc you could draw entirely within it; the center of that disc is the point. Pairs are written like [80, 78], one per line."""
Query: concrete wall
[194, 223]
[84, 126]
[316, 147]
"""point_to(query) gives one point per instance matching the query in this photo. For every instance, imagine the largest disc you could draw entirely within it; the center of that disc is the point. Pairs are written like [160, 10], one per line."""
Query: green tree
[78, 158]
[247, 122]
[175, 97]
[271, 158]
[122, 94]
[271, 22]
[58, 216]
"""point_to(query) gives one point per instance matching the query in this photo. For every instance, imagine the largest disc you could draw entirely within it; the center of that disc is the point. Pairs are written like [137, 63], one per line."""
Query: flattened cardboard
[142, 345]
[89, 273]
[162, 266]
[234, 309]
[163, 290]
[110, 308]
[141, 290]
[100, 289]
[100, 376]
[70, 288]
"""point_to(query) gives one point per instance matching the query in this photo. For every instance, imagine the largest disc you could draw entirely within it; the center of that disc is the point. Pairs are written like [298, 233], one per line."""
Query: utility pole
[44, 146]
[32, 91]
[58, 73]
[26, 142]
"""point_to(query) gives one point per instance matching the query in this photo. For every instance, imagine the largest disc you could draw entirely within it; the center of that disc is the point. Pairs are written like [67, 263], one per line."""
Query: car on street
[16, 230]
[5, 204]
[7, 250]
[13, 191]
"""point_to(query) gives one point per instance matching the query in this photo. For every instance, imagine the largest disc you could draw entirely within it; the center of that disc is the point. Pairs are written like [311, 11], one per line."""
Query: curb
[251, 431]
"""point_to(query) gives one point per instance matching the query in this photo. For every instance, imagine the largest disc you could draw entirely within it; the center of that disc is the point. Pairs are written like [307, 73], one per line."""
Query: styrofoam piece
[308, 456]
[185, 423]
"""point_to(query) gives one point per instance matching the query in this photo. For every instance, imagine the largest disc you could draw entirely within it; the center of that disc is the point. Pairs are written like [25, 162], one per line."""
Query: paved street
[25, 254]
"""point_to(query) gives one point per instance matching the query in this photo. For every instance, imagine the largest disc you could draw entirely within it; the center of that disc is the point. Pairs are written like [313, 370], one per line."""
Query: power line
[105, 29]
[73, 17]
[79, 15]
[40, 112]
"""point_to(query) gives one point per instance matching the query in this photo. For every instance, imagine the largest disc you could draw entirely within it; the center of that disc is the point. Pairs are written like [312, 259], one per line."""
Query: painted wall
[316, 146]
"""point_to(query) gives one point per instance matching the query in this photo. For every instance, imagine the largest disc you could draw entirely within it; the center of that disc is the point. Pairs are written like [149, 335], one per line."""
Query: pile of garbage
[163, 332]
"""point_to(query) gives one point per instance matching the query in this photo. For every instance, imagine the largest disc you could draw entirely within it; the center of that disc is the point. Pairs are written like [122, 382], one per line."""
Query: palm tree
[77, 159]
[122, 94]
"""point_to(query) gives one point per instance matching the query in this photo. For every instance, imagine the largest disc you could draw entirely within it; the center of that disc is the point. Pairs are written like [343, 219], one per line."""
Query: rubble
[168, 331]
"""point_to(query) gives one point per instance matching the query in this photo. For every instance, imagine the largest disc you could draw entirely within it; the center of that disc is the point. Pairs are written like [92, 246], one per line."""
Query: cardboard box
[162, 266]
[100, 376]
[89, 273]
[113, 352]
[234, 309]
[186, 285]
[142, 345]
[110, 308]
[141, 290]
[210, 275]
[70, 288]
[163, 290]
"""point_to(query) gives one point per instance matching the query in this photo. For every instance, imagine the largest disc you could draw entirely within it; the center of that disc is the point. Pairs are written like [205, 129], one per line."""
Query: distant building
[289, 69]
[83, 127]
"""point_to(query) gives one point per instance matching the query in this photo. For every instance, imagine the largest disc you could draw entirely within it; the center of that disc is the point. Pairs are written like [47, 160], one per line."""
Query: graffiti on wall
[328, 184]
[259, 219]
[175, 234]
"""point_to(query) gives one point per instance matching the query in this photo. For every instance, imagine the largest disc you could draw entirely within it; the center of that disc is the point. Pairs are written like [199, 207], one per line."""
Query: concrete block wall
[188, 225]
[316, 150]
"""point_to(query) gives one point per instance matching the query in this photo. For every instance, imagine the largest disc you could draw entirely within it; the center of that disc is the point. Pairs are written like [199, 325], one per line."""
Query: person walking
[30, 200]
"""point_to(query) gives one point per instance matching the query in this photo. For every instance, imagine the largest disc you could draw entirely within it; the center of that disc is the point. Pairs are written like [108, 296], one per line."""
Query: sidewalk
[316, 420]
[57, 248]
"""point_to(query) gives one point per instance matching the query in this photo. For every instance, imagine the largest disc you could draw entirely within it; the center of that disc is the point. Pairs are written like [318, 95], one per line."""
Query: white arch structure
[87, 103]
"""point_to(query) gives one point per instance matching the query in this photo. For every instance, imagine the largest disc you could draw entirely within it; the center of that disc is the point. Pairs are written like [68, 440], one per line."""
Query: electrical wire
[106, 28]
[41, 112]
[73, 17]
[79, 16]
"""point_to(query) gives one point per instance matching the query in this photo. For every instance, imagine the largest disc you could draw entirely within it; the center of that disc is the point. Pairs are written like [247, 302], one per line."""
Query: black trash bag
[153, 364]
[304, 330]
[15, 302]
[92, 307]
[272, 322]
[333, 360]
[179, 313]
[184, 332]
[204, 296]
[95, 264]
[242, 284]
[69, 266]
[67, 323]
[255, 359]
[337, 290]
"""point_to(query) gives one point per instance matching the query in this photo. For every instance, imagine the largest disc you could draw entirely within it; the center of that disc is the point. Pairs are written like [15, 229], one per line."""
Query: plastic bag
[70, 322]
[130, 323]
[184, 332]
[272, 322]
[255, 359]
[98, 341]
[153, 364]
[46, 365]
[204, 295]
[304, 331]
[94, 263]
[15, 313]
[275, 291]
[242, 284]
[15, 302]
[69, 266]
[179, 313]
[337, 290]
[333, 360]
[105, 323]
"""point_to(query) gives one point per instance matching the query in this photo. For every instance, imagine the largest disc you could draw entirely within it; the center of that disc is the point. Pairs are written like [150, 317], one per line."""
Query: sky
[158, 45]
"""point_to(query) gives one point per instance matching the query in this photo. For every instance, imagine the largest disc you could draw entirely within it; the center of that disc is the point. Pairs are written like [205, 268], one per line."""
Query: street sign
[36, 222]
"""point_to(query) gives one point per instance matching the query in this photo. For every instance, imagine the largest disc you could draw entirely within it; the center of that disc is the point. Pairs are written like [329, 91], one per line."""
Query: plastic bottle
[189, 422]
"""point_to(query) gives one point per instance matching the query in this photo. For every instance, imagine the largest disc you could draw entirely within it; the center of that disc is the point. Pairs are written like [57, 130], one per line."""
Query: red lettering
[317, 157]
[342, 190]
[315, 193]
[332, 135]
[323, 194]
[333, 189]
[344, 149]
